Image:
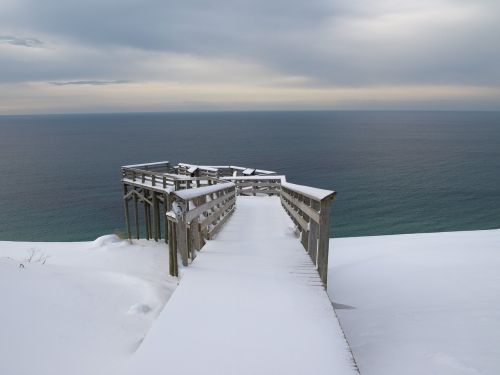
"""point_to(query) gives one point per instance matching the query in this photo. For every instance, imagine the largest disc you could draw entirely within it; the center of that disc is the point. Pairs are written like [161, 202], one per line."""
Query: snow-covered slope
[420, 304]
[409, 304]
[77, 308]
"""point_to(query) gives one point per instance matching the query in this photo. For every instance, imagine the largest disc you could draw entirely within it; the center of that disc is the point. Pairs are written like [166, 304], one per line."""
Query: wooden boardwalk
[252, 302]
[188, 205]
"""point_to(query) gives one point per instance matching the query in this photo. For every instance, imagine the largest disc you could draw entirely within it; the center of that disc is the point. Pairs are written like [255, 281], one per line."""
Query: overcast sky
[61, 56]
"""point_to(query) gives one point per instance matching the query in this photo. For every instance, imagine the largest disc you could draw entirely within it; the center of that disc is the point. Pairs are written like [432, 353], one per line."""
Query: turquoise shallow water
[395, 172]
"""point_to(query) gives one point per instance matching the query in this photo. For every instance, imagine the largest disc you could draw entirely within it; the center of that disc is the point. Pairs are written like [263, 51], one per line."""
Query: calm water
[395, 172]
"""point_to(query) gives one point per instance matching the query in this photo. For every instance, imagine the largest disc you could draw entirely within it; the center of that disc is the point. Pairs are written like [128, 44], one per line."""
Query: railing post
[125, 202]
[182, 233]
[195, 235]
[172, 247]
[166, 208]
[323, 239]
[156, 216]
[306, 233]
[182, 244]
[136, 214]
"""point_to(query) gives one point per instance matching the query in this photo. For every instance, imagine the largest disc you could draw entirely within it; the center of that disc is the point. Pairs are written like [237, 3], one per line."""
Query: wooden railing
[256, 185]
[164, 180]
[196, 215]
[161, 166]
[309, 209]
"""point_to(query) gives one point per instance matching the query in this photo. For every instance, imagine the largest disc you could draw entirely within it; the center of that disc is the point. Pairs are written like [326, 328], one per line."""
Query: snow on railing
[309, 209]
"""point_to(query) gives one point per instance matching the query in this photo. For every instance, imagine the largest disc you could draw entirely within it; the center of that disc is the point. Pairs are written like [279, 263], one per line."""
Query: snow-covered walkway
[250, 303]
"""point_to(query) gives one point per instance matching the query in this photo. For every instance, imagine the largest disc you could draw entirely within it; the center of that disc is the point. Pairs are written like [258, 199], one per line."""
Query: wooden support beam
[150, 224]
[155, 217]
[136, 212]
[165, 221]
[127, 218]
[182, 241]
[172, 249]
[324, 239]
[312, 243]
[158, 217]
[146, 221]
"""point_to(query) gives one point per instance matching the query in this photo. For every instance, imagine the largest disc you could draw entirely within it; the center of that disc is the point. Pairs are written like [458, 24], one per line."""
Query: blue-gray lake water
[395, 172]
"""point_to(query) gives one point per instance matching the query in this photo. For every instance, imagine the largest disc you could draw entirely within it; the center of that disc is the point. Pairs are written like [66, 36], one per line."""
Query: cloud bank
[293, 47]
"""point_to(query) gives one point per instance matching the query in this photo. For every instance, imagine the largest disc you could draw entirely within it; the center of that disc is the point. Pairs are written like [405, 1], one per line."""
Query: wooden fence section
[256, 185]
[309, 209]
[197, 215]
[188, 204]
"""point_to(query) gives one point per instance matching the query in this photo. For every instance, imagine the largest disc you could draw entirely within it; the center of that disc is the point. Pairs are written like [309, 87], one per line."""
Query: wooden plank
[190, 215]
[257, 184]
[219, 225]
[300, 220]
[214, 216]
[309, 211]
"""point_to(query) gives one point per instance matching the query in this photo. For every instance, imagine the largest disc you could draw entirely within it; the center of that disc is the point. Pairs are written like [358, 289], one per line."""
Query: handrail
[164, 180]
[253, 185]
[309, 208]
[197, 215]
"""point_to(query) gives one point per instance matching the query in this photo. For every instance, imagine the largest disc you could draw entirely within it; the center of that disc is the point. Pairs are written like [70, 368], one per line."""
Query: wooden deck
[186, 205]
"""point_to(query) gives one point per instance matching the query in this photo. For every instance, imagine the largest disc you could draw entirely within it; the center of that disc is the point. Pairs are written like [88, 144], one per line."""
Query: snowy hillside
[408, 304]
[421, 303]
[77, 308]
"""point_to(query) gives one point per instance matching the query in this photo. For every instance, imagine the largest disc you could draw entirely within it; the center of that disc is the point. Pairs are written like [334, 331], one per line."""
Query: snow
[421, 303]
[78, 308]
[205, 167]
[246, 178]
[248, 171]
[250, 303]
[311, 192]
[145, 164]
[188, 194]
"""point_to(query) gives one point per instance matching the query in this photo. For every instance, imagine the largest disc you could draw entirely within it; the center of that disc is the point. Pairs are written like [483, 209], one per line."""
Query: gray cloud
[342, 43]
[88, 83]
[16, 41]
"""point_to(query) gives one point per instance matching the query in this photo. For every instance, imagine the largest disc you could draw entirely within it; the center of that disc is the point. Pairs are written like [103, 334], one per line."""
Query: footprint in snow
[140, 308]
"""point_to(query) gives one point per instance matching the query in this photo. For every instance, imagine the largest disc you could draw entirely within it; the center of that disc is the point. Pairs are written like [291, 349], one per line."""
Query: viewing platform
[187, 205]
[251, 297]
